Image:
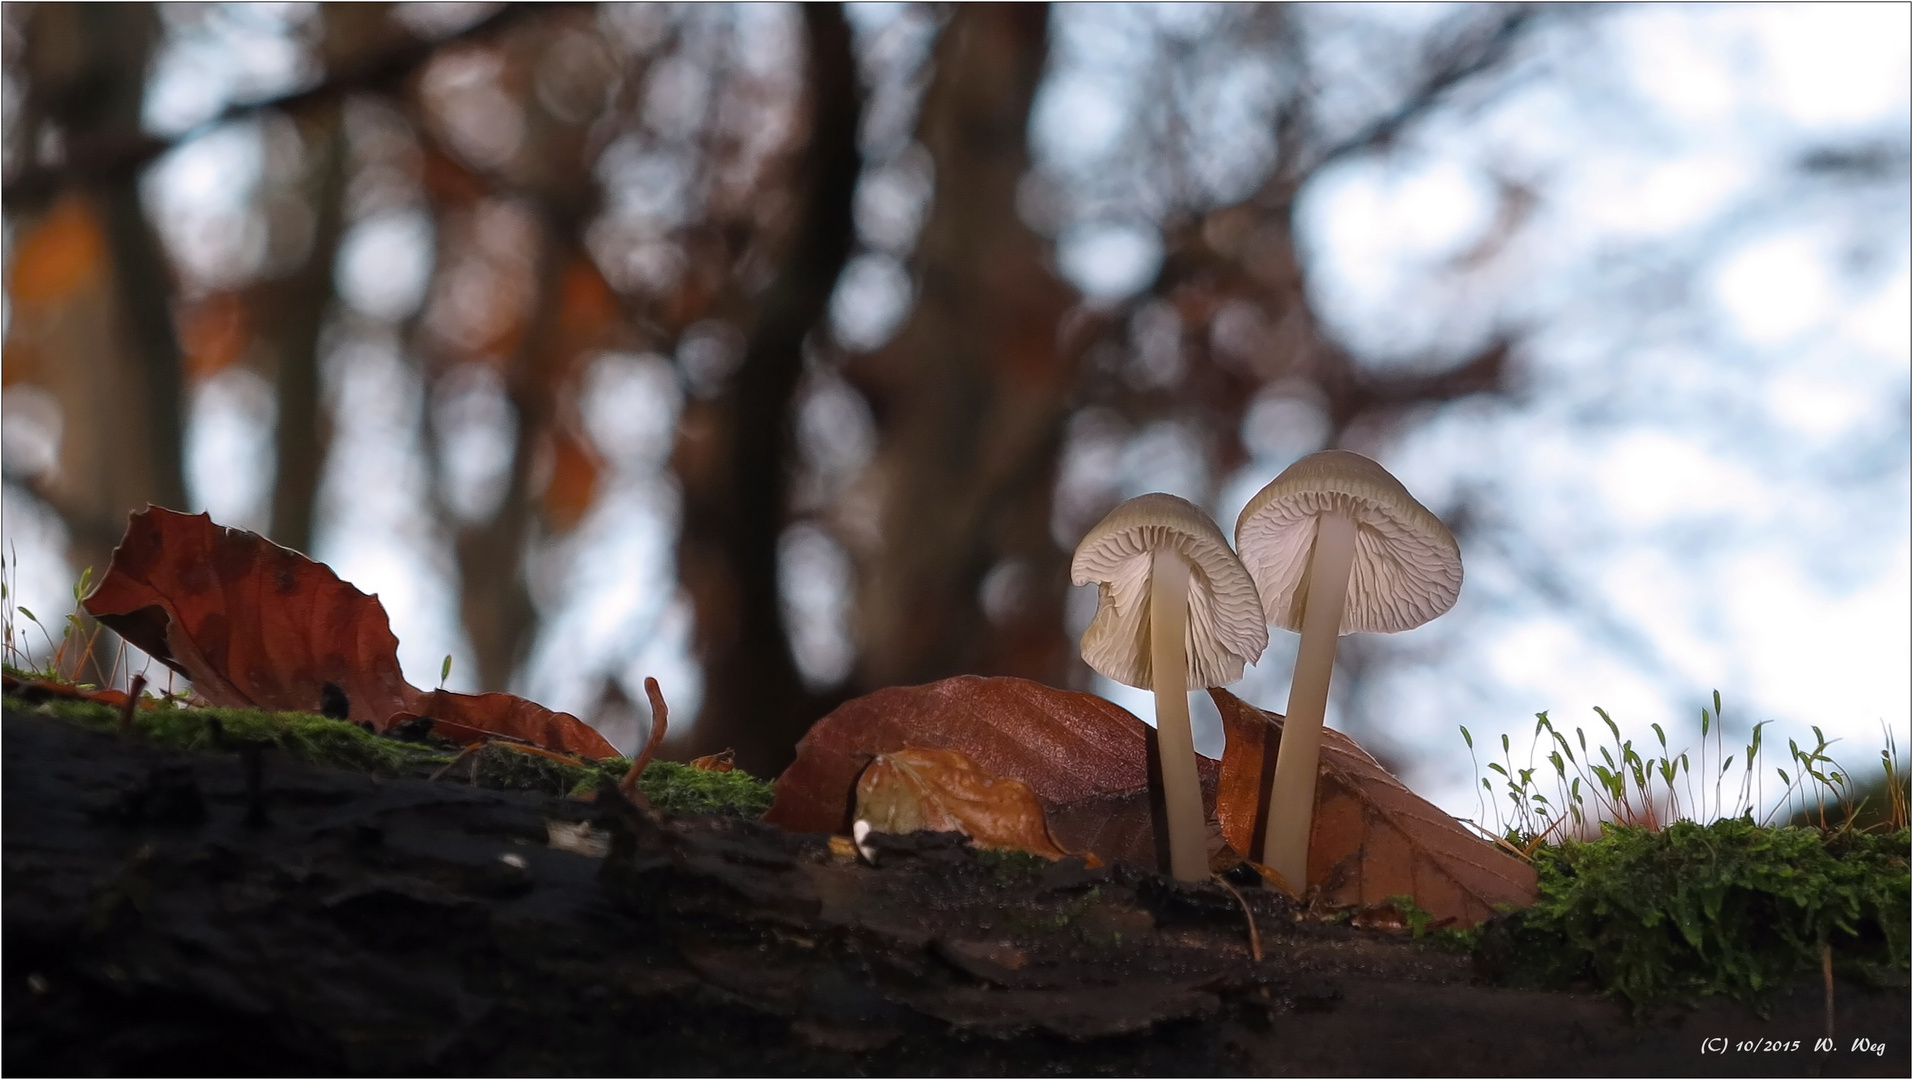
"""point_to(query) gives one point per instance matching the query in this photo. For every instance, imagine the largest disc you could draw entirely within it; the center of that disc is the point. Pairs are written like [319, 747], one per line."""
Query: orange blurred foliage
[61, 253]
[449, 183]
[586, 305]
[213, 332]
[574, 481]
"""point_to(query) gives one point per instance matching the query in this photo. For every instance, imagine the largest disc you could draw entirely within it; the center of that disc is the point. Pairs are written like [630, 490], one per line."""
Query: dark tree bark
[973, 394]
[734, 461]
[171, 913]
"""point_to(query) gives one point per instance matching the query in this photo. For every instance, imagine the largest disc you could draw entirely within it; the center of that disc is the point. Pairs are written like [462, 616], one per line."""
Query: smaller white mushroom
[1336, 546]
[1177, 609]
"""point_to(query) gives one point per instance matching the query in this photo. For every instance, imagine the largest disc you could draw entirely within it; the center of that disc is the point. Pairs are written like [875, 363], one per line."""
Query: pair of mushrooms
[1179, 609]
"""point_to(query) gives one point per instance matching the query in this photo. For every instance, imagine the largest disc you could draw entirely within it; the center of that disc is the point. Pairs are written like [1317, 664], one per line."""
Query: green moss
[1420, 923]
[1010, 864]
[675, 788]
[671, 787]
[316, 739]
[500, 766]
[1729, 908]
[680, 789]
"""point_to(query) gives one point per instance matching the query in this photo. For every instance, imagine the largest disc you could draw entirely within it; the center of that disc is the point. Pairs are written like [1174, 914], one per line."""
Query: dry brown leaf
[942, 791]
[1087, 760]
[1372, 837]
[468, 718]
[42, 689]
[253, 624]
[722, 761]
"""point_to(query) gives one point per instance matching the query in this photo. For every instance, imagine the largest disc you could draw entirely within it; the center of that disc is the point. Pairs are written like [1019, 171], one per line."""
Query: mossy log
[170, 911]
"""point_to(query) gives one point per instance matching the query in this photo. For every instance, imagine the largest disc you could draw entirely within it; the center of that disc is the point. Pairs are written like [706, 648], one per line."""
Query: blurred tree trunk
[974, 391]
[294, 316]
[296, 304]
[736, 480]
[109, 354]
[494, 598]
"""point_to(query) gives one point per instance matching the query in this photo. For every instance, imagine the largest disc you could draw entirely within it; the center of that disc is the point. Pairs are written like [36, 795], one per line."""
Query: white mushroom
[1176, 609]
[1338, 527]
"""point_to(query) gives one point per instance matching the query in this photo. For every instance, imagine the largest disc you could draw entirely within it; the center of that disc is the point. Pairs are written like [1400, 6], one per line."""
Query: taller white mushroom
[1177, 609]
[1336, 545]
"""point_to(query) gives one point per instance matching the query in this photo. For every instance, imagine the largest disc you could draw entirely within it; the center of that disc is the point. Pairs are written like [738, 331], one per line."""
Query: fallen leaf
[1086, 759]
[43, 689]
[1372, 838]
[467, 718]
[722, 761]
[256, 625]
[943, 791]
[1248, 764]
[251, 623]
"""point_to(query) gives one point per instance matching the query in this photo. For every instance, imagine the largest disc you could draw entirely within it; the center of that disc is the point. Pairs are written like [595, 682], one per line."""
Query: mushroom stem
[1169, 677]
[1292, 791]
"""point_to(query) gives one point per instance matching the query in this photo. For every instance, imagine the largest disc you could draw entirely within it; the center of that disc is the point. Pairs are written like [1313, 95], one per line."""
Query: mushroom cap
[1407, 566]
[1226, 628]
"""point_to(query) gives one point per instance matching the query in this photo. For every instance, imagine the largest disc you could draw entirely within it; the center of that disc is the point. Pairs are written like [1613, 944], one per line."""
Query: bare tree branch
[89, 158]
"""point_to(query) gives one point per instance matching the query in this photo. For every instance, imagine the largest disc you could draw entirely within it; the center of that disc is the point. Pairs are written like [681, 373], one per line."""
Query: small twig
[470, 749]
[1528, 852]
[79, 666]
[119, 660]
[1499, 841]
[1255, 938]
[132, 703]
[450, 728]
[1274, 877]
[1826, 979]
[659, 722]
[526, 748]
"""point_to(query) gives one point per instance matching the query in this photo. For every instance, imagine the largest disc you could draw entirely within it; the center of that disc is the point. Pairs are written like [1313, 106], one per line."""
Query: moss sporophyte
[1661, 907]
